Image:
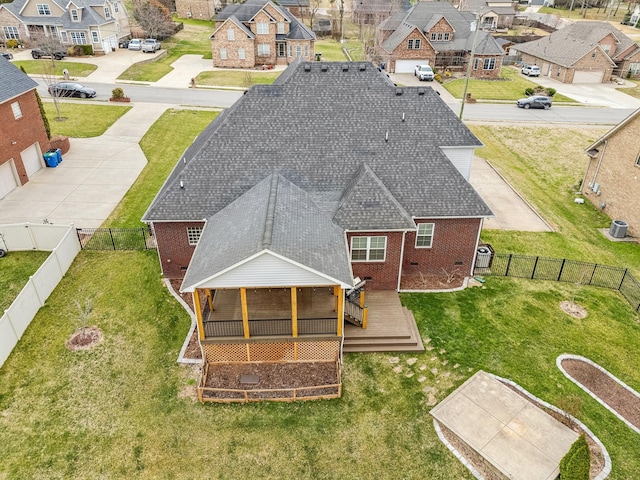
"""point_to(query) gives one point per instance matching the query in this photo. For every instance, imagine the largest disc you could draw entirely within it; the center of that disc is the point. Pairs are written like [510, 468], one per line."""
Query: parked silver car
[150, 45]
[135, 44]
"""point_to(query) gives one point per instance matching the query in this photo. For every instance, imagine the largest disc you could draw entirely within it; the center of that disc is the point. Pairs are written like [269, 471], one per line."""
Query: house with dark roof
[23, 137]
[278, 228]
[493, 13]
[259, 33]
[99, 23]
[372, 12]
[584, 52]
[612, 178]
[437, 34]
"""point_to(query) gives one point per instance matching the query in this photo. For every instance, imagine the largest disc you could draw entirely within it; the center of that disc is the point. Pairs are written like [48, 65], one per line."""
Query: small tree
[576, 463]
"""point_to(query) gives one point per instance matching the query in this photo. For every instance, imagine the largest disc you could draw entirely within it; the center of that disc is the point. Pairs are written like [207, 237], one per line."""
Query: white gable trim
[266, 269]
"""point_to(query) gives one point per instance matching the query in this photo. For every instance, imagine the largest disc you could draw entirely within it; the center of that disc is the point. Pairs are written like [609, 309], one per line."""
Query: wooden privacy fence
[563, 270]
[116, 238]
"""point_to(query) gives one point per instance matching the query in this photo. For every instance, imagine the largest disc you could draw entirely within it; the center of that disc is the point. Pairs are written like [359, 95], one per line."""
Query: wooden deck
[390, 327]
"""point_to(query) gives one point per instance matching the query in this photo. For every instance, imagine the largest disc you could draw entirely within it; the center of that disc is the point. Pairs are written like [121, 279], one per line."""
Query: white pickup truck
[424, 72]
[150, 45]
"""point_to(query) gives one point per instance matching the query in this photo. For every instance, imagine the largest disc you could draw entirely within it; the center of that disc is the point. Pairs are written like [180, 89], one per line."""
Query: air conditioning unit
[618, 229]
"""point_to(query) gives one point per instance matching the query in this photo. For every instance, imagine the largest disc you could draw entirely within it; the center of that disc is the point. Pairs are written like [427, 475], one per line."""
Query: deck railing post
[196, 306]
[294, 312]
[245, 312]
[340, 309]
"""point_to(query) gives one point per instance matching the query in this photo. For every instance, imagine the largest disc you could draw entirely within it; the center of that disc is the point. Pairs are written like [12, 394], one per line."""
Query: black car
[535, 101]
[71, 89]
[6, 55]
[41, 53]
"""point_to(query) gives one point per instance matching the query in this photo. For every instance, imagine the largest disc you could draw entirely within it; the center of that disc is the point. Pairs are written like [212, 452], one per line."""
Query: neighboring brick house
[437, 34]
[23, 137]
[100, 23]
[584, 52]
[493, 13]
[259, 33]
[272, 221]
[372, 12]
[612, 179]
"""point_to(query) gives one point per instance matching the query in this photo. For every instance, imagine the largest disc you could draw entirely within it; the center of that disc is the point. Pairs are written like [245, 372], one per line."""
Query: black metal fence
[563, 270]
[116, 238]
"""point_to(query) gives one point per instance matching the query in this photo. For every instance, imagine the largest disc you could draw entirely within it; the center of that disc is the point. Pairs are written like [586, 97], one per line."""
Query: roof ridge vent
[362, 67]
[324, 67]
[345, 67]
[421, 91]
[307, 67]
[398, 91]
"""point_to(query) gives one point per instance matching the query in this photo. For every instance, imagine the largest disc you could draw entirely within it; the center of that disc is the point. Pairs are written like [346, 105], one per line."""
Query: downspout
[404, 234]
[604, 149]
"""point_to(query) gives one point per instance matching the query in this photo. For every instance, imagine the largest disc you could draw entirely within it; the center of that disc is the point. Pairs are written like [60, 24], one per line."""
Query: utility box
[618, 229]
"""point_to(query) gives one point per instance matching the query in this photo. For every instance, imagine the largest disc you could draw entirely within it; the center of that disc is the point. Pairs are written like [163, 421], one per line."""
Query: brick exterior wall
[24, 131]
[618, 177]
[480, 72]
[173, 247]
[566, 75]
[453, 248]
[221, 41]
[200, 9]
[403, 52]
[380, 275]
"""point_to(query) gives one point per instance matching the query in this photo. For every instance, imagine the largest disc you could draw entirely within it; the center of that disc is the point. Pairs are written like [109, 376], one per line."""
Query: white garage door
[7, 178]
[594, 76]
[31, 159]
[409, 66]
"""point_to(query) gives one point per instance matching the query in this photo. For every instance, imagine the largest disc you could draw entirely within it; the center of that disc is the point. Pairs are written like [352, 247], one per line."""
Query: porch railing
[267, 327]
[355, 310]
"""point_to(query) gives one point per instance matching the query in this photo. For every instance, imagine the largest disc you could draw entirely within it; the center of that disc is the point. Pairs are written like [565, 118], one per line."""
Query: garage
[8, 180]
[31, 159]
[588, 76]
[409, 66]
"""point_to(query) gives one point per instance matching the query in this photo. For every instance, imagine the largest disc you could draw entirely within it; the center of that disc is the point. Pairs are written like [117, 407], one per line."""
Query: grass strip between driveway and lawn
[512, 86]
[236, 78]
[44, 67]
[15, 270]
[82, 120]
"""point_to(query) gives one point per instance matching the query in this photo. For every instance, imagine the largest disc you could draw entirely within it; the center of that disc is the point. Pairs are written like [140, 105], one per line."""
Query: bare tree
[340, 4]
[314, 6]
[153, 17]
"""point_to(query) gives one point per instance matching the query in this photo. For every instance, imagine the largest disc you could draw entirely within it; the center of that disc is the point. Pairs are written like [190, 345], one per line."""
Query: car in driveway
[531, 70]
[150, 45]
[424, 72]
[71, 89]
[135, 44]
[6, 55]
[535, 101]
[57, 54]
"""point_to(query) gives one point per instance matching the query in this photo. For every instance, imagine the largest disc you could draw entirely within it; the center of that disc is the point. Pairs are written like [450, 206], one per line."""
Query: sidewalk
[92, 178]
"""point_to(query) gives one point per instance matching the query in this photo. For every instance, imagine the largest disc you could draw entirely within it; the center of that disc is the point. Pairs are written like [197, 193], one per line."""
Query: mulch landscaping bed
[606, 389]
[273, 376]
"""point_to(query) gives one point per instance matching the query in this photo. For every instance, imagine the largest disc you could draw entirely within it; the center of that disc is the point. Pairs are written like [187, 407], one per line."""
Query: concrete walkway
[92, 178]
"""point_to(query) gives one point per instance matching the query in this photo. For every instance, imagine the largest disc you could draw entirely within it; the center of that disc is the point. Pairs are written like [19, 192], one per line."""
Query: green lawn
[43, 67]
[615, 15]
[193, 39]
[235, 78]
[82, 120]
[511, 87]
[332, 50]
[163, 144]
[15, 270]
[122, 410]
[633, 91]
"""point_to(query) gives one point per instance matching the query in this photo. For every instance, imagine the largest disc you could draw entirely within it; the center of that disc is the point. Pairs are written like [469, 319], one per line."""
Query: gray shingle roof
[89, 16]
[569, 44]
[500, 7]
[277, 216]
[424, 16]
[317, 129]
[14, 81]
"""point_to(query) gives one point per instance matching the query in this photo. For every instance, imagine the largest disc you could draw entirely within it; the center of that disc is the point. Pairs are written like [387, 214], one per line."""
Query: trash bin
[618, 229]
[51, 158]
[483, 257]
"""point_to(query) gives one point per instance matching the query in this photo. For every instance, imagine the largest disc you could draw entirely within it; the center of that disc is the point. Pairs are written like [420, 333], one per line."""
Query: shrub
[82, 50]
[117, 93]
[13, 43]
[438, 78]
[551, 92]
[576, 463]
[529, 91]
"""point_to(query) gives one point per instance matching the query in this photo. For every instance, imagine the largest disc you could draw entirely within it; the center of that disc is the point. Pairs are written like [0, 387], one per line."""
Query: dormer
[41, 8]
[439, 30]
[75, 12]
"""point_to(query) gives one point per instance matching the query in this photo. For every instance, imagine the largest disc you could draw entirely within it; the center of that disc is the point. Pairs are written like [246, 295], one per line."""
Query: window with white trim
[281, 49]
[447, 36]
[78, 38]
[489, 64]
[262, 28]
[281, 28]
[306, 51]
[116, 9]
[17, 111]
[440, 36]
[11, 33]
[298, 50]
[63, 36]
[193, 235]
[410, 44]
[424, 235]
[241, 54]
[290, 51]
[43, 9]
[231, 34]
[263, 50]
[433, 37]
[107, 12]
[368, 249]
[476, 63]
[95, 38]
[74, 15]
[223, 54]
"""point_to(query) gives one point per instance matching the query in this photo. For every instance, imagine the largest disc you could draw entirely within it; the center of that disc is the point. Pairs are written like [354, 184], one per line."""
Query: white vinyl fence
[63, 243]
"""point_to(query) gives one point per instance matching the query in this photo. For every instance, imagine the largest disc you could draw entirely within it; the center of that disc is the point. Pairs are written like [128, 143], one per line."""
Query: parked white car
[150, 45]
[135, 44]
[531, 70]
